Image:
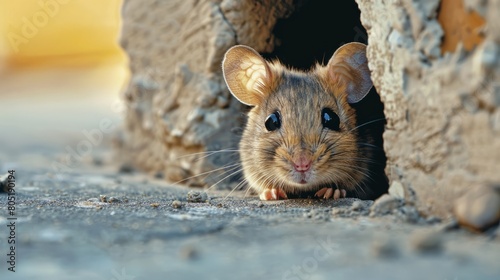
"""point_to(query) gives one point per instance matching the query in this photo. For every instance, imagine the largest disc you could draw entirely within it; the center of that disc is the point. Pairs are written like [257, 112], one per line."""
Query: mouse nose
[302, 164]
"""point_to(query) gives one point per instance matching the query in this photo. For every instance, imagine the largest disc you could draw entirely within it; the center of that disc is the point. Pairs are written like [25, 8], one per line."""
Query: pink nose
[302, 165]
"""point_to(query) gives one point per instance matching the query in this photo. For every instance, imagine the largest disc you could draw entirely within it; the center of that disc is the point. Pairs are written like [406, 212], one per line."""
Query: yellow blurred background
[61, 69]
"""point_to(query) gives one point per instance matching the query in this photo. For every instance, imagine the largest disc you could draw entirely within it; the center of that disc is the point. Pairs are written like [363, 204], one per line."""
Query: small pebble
[397, 190]
[197, 196]
[103, 198]
[155, 205]
[176, 204]
[479, 208]
[427, 242]
[113, 200]
[337, 211]
[357, 206]
[384, 205]
[409, 214]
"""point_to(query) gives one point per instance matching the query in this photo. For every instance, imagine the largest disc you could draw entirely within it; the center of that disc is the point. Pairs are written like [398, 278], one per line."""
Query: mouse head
[301, 131]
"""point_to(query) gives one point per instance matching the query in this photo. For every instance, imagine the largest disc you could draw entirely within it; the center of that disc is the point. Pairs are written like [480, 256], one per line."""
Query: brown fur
[338, 159]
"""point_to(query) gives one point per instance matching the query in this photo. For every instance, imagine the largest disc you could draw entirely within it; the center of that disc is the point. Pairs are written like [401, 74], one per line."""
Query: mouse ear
[348, 67]
[247, 75]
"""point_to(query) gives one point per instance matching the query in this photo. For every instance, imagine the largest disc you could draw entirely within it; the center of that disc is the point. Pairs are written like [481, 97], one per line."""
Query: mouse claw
[327, 193]
[339, 194]
[321, 192]
[273, 194]
[336, 194]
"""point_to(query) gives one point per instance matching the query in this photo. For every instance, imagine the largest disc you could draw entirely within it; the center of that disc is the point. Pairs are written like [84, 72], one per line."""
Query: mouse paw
[273, 194]
[327, 193]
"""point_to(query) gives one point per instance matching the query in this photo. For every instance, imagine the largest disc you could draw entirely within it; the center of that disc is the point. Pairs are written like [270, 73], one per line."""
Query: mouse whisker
[369, 122]
[198, 159]
[209, 153]
[231, 174]
[230, 166]
[339, 178]
[365, 172]
[370, 145]
[236, 187]
[355, 167]
[361, 190]
[361, 159]
[344, 172]
[355, 128]
[248, 188]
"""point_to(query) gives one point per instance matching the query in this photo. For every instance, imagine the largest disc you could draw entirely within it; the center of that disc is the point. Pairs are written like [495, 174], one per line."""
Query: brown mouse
[309, 132]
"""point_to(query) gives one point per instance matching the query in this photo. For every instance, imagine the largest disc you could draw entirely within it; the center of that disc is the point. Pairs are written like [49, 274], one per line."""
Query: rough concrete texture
[177, 101]
[442, 109]
[65, 230]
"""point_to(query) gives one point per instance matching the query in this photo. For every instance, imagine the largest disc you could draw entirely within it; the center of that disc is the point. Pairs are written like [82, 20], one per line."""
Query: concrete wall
[437, 70]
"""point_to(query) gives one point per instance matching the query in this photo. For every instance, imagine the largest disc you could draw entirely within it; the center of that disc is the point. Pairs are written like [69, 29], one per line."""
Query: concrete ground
[90, 221]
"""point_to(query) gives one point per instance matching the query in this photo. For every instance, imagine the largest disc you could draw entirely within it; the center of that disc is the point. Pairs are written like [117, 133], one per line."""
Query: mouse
[309, 133]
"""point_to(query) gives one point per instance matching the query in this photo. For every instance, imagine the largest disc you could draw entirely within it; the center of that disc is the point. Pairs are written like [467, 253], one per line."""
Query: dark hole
[311, 35]
[315, 30]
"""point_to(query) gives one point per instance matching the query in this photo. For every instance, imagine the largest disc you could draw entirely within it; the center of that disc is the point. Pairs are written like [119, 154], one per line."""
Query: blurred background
[61, 71]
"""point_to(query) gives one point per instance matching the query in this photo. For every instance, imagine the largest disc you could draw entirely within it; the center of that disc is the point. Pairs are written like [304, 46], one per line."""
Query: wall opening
[311, 35]
[315, 30]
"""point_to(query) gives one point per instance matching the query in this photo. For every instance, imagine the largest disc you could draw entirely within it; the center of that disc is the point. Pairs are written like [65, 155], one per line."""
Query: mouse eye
[330, 120]
[273, 121]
